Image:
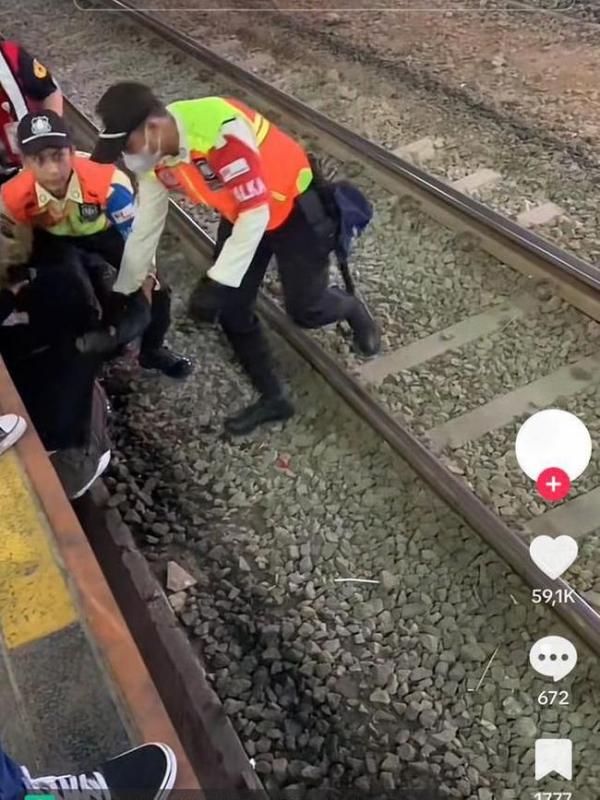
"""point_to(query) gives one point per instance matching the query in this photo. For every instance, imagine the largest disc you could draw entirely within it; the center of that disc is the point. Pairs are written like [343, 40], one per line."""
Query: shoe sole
[365, 356]
[171, 774]
[259, 425]
[360, 352]
[181, 377]
[14, 434]
[103, 463]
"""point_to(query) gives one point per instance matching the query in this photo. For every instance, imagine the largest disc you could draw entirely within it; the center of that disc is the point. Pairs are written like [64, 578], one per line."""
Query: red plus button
[553, 484]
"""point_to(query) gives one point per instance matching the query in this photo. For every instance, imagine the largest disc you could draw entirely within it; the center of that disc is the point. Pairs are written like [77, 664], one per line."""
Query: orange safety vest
[20, 198]
[286, 168]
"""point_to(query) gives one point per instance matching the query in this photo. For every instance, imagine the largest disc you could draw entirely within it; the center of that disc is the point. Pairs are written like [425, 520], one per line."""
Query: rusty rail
[580, 616]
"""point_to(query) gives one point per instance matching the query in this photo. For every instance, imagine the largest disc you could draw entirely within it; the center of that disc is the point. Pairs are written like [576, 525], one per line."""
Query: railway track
[499, 236]
[433, 457]
[423, 111]
[522, 249]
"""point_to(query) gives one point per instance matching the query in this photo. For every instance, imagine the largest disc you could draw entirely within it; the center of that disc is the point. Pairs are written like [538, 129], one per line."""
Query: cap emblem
[40, 125]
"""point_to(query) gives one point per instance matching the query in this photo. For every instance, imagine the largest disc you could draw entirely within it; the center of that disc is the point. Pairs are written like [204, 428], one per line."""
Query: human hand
[116, 305]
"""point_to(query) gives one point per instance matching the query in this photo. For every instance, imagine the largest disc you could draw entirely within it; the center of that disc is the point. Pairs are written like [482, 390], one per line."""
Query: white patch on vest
[240, 129]
[124, 214]
[233, 170]
[245, 192]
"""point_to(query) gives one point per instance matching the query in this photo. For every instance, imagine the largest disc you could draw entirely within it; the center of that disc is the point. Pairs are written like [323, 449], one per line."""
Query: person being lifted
[25, 85]
[218, 152]
[62, 206]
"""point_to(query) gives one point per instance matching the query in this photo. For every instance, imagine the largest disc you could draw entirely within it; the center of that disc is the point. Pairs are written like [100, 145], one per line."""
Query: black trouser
[54, 380]
[303, 264]
[108, 245]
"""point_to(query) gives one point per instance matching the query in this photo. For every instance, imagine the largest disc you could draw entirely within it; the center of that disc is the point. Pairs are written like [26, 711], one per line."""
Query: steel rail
[522, 249]
[580, 616]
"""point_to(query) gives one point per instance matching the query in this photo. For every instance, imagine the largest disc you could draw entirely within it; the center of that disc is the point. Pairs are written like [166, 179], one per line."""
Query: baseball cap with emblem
[122, 108]
[38, 131]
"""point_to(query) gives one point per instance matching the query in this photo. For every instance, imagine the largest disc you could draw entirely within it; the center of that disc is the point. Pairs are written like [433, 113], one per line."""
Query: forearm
[140, 247]
[54, 102]
[240, 248]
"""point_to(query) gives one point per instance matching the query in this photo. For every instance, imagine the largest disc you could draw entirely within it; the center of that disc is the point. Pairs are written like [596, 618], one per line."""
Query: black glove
[97, 342]
[115, 308]
[132, 322]
[19, 273]
[206, 300]
[135, 319]
[7, 172]
[16, 291]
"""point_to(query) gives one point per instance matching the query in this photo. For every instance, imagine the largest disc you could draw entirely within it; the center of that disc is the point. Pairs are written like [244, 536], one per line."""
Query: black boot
[166, 361]
[367, 338]
[154, 354]
[266, 409]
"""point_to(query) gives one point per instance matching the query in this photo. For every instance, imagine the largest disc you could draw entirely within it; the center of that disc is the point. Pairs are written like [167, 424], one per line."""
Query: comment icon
[553, 656]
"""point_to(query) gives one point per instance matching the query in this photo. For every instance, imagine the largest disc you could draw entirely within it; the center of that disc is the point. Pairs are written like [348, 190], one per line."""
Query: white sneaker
[12, 427]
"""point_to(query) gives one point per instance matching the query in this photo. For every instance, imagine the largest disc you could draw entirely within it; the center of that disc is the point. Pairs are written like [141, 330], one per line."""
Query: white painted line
[500, 411]
[495, 318]
[575, 518]
[477, 180]
[418, 152]
[539, 215]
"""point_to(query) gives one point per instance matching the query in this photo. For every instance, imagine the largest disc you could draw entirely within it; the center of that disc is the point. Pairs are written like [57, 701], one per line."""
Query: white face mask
[145, 160]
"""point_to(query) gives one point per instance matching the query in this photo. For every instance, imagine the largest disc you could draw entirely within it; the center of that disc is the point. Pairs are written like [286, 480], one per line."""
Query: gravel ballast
[371, 687]
[330, 680]
[395, 100]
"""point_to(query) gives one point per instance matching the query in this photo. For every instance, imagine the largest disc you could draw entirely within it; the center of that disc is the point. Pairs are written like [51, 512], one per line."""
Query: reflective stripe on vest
[259, 124]
[11, 87]
[13, 103]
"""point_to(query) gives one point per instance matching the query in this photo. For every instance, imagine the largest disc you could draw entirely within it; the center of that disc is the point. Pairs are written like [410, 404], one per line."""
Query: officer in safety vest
[25, 85]
[62, 200]
[220, 153]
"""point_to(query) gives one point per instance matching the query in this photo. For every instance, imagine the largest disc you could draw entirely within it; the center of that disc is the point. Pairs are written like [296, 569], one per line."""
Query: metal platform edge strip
[214, 749]
[101, 617]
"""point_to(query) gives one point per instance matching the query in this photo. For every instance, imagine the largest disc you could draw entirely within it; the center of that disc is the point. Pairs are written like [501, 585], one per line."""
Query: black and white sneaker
[147, 772]
[12, 427]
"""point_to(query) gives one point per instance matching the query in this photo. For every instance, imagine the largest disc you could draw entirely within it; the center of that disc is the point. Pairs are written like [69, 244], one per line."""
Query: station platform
[74, 689]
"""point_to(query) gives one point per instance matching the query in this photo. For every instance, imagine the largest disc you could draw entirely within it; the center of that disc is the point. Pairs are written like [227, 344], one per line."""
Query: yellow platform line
[34, 598]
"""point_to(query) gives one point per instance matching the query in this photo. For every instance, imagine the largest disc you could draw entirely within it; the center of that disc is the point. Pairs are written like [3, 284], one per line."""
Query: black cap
[37, 131]
[122, 108]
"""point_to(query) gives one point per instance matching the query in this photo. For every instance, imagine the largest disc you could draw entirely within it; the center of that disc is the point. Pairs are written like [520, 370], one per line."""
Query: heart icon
[553, 556]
